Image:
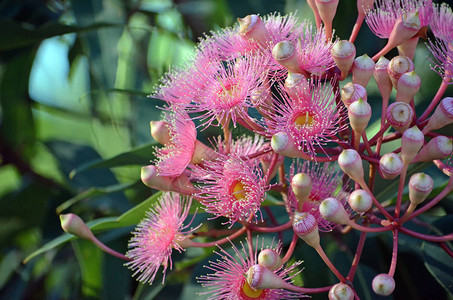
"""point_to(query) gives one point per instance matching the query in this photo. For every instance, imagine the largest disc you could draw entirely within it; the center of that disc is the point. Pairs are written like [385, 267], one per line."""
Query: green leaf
[18, 36]
[129, 218]
[137, 156]
[90, 262]
[437, 261]
[94, 192]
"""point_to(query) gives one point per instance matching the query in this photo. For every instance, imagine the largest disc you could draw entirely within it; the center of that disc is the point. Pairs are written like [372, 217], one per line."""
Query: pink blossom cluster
[300, 94]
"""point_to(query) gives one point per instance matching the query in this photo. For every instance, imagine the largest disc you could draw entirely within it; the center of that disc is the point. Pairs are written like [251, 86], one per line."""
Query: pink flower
[157, 235]
[241, 146]
[308, 115]
[313, 52]
[227, 87]
[176, 155]
[228, 43]
[325, 181]
[383, 17]
[443, 53]
[230, 187]
[442, 23]
[229, 282]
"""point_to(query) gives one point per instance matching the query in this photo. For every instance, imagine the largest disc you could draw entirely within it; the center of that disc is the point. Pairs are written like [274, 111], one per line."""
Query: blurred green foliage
[74, 132]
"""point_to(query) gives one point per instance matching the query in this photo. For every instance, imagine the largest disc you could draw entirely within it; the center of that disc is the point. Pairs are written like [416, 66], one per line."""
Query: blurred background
[74, 131]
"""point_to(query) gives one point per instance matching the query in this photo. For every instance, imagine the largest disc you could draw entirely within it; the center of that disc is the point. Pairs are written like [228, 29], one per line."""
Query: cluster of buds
[287, 83]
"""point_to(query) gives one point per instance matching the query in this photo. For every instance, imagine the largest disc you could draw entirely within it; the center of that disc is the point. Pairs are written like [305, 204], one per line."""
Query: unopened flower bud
[343, 53]
[252, 27]
[285, 54]
[408, 85]
[360, 201]
[411, 142]
[301, 185]
[352, 92]
[443, 115]
[150, 178]
[160, 132]
[390, 165]
[438, 148]
[383, 284]
[260, 277]
[73, 224]
[306, 227]
[270, 259]
[420, 185]
[341, 291]
[362, 70]
[382, 78]
[351, 163]
[332, 210]
[405, 27]
[283, 144]
[359, 113]
[327, 10]
[294, 83]
[400, 115]
[398, 66]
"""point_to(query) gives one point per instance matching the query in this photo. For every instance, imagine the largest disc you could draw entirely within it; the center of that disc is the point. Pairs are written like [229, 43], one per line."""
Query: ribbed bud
[332, 210]
[382, 78]
[397, 67]
[160, 132]
[360, 201]
[420, 186]
[359, 113]
[400, 115]
[260, 277]
[438, 148]
[150, 178]
[306, 227]
[270, 259]
[73, 224]
[362, 70]
[285, 54]
[301, 185]
[405, 27]
[383, 284]
[443, 115]
[352, 92]
[252, 27]
[341, 291]
[408, 85]
[343, 53]
[351, 163]
[390, 165]
[411, 142]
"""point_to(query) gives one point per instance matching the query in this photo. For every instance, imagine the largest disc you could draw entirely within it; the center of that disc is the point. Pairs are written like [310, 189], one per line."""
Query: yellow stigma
[250, 292]
[238, 191]
[304, 119]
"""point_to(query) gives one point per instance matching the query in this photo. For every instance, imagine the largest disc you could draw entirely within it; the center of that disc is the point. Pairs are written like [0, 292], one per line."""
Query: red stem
[327, 261]
[437, 239]
[394, 253]
[358, 254]
[271, 229]
[219, 242]
[291, 248]
[357, 25]
[436, 99]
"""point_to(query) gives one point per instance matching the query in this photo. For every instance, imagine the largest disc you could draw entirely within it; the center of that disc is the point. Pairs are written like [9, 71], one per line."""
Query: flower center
[249, 292]
[304, 119]
[237, 190]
